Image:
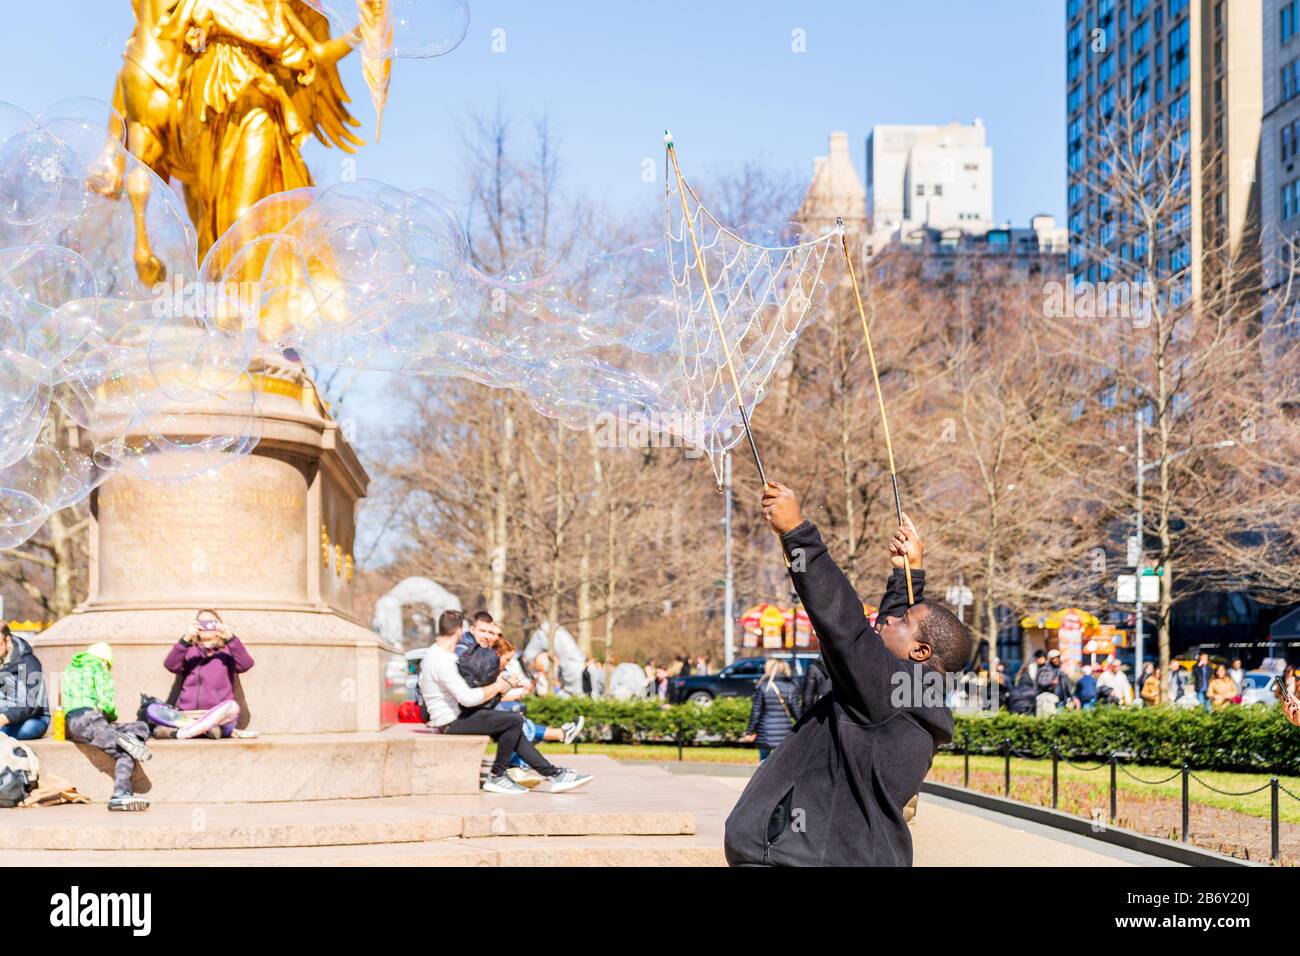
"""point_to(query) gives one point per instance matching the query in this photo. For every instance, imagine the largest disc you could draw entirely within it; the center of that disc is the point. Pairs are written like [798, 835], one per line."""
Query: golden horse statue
[220, 95]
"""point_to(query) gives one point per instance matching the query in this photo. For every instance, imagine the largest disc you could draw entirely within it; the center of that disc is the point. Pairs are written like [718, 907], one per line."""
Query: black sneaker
[127, 802]
[134, 746]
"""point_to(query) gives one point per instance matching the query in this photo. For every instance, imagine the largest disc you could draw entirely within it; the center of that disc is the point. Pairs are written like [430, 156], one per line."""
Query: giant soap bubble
[100, 372]
[416, 29]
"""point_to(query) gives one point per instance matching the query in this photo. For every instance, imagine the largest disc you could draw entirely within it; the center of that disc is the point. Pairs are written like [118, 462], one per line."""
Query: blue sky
[611, 75]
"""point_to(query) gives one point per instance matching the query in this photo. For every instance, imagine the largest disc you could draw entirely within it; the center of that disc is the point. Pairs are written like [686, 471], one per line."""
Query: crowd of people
[1044, 684]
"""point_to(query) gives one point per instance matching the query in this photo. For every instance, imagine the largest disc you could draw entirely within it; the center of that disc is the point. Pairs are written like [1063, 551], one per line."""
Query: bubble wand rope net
[713, 309]
[880, 397]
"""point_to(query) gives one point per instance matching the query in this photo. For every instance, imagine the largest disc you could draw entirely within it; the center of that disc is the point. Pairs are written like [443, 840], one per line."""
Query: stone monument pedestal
[266, 541]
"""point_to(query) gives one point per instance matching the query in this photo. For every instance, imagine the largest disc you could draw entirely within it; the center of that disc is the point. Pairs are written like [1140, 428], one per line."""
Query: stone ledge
[499, 851]
[280, 767]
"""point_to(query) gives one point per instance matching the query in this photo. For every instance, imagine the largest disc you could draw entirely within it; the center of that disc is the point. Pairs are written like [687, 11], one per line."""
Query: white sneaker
[502, 785]
[572, 729]
[568, 780]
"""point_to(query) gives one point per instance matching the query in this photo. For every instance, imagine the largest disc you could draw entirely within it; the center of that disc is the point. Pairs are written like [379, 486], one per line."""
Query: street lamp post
[1137, 571]
[1142, 467]
[729, 598]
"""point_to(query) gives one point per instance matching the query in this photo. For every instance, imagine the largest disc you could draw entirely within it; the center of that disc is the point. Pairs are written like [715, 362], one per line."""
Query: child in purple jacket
[207, 656]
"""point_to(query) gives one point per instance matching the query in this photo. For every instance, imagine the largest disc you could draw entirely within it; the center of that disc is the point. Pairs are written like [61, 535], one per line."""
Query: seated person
[567, 733]
[207, 657]
[24, 714]
[90, 708]
[481, 633]
[454, 708]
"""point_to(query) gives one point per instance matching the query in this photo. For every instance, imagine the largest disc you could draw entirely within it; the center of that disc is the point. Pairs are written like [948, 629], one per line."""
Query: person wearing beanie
[90, 709]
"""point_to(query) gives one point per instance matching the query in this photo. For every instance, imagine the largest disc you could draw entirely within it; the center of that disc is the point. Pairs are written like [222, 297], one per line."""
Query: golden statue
[220, 95]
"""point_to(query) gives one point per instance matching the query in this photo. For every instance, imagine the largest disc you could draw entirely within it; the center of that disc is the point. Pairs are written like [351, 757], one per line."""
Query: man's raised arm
[859, 664]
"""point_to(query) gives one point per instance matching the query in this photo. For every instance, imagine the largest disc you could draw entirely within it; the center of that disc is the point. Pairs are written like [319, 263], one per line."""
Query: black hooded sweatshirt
[22, 685]
[833, 793]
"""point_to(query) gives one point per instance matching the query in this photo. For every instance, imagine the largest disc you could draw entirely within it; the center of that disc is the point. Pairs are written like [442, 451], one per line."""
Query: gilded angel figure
[220, 95]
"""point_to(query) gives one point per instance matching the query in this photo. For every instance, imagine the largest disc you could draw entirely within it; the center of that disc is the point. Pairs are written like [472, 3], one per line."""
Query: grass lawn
[1256, 804]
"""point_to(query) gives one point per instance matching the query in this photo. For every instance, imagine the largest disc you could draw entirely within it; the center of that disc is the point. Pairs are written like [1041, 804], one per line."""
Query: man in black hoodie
[833, 793]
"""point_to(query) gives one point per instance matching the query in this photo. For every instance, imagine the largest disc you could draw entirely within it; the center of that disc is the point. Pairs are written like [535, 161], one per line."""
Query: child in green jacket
[90, 709]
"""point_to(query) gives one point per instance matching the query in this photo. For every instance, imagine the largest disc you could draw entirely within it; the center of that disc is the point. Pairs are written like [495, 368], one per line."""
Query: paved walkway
[634, 813]
[948, 833]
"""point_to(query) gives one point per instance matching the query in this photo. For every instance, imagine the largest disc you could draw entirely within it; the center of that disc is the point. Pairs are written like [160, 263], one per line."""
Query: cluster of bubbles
[420, 28]
[90, 381]
[103, 374]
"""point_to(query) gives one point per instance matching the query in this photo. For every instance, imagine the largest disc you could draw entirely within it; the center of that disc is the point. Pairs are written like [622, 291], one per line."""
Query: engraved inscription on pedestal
[234, 535]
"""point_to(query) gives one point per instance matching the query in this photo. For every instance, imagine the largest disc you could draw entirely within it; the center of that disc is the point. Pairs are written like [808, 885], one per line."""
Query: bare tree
[1175, 326]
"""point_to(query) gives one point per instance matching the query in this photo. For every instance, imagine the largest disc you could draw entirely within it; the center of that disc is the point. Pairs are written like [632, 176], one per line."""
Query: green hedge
[641, 721]
[1239, 738]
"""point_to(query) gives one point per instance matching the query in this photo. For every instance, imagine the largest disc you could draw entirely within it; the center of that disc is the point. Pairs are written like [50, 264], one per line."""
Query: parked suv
[737, 679]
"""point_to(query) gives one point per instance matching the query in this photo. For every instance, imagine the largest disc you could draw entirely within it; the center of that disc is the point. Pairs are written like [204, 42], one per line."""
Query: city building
[1279, 177]
[1003, 253]
[929, 204]
[835, 191]
[1195, 65]
[940, 177]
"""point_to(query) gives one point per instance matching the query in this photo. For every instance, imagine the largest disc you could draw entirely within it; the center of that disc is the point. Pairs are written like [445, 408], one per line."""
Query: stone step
[617, 803]
[281, 768]
[486, 851]
[335, 823]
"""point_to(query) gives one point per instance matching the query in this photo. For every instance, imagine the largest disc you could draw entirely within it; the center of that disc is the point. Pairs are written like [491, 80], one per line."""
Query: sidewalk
[946, 833]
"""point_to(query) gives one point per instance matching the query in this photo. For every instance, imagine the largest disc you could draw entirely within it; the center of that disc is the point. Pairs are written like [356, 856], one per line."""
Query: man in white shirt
[445, 692]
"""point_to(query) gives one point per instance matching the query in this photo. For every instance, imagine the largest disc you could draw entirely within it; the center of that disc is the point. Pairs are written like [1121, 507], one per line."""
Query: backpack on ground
[19, 770]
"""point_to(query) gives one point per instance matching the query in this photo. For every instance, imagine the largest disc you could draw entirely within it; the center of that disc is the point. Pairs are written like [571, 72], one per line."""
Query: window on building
[1141, 33]
[1287, 15]
[1179, 61]
[1290, 80]
[1180, 109]
[1106, 103]
[1141, 71]
[920, 189]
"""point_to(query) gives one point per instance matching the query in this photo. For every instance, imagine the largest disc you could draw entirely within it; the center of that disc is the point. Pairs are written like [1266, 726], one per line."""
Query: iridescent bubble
[419, 28]
[160, 378]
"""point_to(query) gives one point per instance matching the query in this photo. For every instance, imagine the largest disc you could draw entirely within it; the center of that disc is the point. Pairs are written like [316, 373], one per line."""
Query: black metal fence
[1114, 763]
